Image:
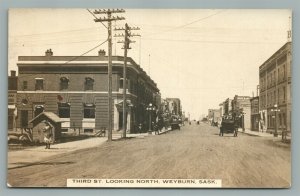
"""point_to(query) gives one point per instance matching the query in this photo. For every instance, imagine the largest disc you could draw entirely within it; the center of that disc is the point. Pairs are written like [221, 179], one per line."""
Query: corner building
[76, 89]
[275, 90]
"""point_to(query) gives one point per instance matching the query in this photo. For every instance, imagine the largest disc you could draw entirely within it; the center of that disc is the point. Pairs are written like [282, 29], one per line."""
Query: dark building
[275, 90]
[75, 88]
[255, 116]
[12, 99]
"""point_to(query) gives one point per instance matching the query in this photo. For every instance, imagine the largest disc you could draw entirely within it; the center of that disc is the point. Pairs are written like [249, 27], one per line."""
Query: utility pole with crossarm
[109, 19]
[126, 47]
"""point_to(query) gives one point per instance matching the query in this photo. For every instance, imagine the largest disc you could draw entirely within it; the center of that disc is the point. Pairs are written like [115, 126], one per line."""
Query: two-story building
[76, 89]
[241, 106]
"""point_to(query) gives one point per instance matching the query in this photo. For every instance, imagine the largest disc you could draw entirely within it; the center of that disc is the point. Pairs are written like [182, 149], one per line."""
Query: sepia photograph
[149, 98]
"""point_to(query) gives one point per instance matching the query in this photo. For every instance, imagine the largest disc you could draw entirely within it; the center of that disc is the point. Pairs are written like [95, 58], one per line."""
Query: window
[38, 109]
[89, 84]
[89, 111]
[64, 110]
[25, 85]
[64, 83]
[39, 84]
[127, 84]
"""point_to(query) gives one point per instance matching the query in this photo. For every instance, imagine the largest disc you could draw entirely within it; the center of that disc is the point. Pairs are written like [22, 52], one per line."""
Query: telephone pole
[126, 47]
[109, 19]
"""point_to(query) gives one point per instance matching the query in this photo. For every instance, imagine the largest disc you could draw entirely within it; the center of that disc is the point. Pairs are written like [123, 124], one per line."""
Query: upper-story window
[127, 84]
[64, 83]
[89, 84]
[39, 83]
[25, 85]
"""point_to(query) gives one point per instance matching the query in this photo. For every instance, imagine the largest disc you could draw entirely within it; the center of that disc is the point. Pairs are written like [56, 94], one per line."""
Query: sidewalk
[255, 133]
[264, 134]
[28, 156]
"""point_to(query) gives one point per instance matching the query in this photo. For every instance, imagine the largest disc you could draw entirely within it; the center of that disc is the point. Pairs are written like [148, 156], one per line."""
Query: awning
[11, 106]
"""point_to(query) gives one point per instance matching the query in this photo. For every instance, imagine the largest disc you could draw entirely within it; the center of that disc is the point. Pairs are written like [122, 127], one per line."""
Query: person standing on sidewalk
[261, 124]
[48, 134]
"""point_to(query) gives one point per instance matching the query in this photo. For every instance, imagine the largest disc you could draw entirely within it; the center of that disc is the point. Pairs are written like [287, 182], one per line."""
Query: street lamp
[150, 108]
[275, 109]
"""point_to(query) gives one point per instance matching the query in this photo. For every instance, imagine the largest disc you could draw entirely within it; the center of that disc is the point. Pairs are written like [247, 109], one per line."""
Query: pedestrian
[48, 134]
[140, 128]
[261, 125]
[220, 126]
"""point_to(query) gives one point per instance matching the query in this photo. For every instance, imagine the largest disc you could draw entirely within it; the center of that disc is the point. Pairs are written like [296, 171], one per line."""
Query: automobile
[229, 125]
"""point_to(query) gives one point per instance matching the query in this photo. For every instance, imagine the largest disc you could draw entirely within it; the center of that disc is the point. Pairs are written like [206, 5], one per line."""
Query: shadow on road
[40, 163]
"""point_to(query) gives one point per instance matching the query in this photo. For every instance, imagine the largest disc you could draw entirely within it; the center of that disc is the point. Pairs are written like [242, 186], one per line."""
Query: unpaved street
[196, 151]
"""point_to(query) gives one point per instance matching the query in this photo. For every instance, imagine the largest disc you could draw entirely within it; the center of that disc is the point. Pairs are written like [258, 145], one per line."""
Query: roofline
[67, 60]
[275, 53]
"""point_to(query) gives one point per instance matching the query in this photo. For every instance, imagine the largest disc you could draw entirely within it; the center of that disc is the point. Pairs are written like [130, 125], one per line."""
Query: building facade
[12, 100]
[275, 90]
[228, 106]
[255, 116]
[241, 107]
[174, 106]
[214, 116]
[76, 89]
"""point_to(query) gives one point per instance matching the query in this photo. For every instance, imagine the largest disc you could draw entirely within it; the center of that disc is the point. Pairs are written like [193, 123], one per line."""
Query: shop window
[89, 111]
[64, 110]
[38, 109]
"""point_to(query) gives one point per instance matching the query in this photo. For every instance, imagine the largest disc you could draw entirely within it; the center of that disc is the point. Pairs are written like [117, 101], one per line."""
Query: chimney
[49, 52]
[101, 52]
[13, 73]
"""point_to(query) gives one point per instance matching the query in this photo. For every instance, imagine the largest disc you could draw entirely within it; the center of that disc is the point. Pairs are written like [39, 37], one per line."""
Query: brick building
[75, 89]
[12, 99]
[275, 90]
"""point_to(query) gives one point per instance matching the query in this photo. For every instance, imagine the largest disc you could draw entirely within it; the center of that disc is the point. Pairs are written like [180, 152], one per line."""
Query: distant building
[228, 106]
[222, 108]
[75, 88]
[214, 115]
[255, 116]
[174, 106]
[275, 90]
[241, 107]
[12, 100]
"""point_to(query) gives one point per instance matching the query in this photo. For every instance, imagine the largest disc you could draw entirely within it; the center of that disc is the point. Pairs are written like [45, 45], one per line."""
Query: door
[24, 118]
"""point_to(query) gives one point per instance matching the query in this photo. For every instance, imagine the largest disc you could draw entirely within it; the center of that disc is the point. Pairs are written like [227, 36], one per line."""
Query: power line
[86, 52]
[179, 27]
[202, 41]
[96, 18]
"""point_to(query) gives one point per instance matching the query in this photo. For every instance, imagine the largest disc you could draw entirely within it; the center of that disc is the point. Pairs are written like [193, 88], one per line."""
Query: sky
[202, 56]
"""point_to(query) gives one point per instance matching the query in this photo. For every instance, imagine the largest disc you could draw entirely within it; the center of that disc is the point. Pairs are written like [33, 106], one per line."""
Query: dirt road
[196, 151]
